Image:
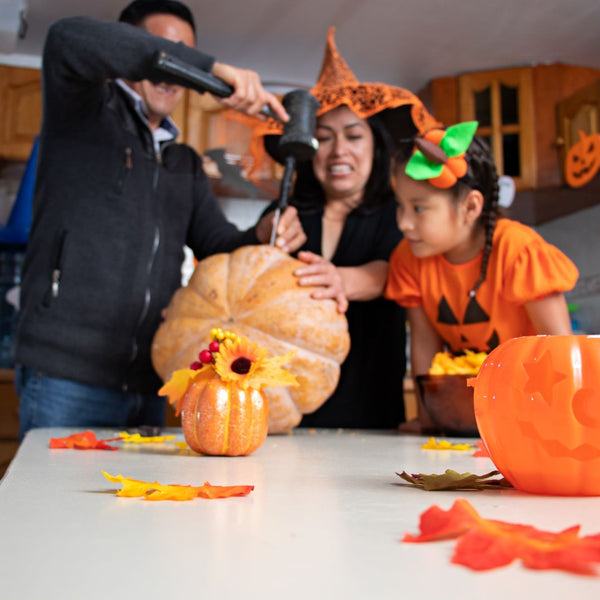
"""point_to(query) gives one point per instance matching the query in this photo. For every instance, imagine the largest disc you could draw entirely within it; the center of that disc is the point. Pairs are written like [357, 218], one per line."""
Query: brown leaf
[451, 480]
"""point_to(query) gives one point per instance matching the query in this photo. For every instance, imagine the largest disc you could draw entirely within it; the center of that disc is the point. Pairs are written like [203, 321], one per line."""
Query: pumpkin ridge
[250, 427]
[292, 345]
[269, 257]
[195, 411]
[204, 298]
[227, 420]
[282, 298]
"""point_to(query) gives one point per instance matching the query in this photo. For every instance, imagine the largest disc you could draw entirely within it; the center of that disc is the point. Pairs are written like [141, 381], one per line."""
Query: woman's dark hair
[308, 193]
[481, 175]
[138, 10]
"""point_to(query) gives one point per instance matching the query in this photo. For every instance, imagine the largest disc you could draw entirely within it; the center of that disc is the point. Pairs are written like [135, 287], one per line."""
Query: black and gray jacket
[111, 216]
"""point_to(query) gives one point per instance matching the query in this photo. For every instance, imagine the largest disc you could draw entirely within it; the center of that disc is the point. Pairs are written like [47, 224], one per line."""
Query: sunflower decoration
[232, 359]
[439, 156]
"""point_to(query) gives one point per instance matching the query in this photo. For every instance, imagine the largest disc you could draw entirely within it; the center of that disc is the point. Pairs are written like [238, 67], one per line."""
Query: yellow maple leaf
[433, 444]
[134, 488]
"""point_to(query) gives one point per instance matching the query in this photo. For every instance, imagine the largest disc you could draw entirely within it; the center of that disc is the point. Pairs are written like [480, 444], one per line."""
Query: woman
[346, 207]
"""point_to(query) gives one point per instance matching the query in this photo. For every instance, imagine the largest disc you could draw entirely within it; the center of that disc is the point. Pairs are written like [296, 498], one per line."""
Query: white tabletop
[325, 521]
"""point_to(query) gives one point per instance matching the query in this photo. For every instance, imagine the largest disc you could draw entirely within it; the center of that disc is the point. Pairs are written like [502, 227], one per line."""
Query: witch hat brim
[401, 111]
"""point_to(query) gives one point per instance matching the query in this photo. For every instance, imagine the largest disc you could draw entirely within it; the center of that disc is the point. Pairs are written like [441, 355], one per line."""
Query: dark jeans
[52, 402]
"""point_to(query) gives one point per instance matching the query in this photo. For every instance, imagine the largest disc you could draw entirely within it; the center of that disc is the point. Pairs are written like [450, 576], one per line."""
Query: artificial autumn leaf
[482, 451]
[487, 544]
[137, 438]
[134, 488]
[433, 444]
[451, 480]
[86, 440]
[179, 383]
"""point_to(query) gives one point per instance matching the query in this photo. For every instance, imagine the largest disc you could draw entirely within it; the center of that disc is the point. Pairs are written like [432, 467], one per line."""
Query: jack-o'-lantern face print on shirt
[470, 324]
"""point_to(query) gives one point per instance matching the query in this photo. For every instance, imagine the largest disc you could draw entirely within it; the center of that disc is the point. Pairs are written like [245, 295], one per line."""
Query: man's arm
[86, 51]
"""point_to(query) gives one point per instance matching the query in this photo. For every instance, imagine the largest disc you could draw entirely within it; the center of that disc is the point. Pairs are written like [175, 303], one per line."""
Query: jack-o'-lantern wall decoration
[582, 162]
[537, 406]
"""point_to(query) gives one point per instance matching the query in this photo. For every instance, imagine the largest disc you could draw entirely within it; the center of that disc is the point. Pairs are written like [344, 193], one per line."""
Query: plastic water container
[11, 262]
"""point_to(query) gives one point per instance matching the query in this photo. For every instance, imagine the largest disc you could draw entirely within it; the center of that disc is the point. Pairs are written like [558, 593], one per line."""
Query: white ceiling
[401, 42]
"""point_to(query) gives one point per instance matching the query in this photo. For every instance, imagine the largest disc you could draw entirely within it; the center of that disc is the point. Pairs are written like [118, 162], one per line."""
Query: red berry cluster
[206, 356]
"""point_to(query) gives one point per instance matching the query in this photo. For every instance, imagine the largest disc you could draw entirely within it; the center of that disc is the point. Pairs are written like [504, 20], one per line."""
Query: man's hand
[290, 235]
[325, 276]
[249, 96]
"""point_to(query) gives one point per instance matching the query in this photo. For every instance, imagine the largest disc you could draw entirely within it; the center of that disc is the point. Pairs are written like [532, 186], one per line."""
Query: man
[116, 200]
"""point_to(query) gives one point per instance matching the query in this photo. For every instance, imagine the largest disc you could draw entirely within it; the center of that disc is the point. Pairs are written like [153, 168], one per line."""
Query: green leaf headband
[439, 155]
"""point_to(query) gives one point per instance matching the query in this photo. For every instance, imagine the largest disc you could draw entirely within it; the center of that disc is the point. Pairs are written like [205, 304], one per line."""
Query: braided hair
[482, 176]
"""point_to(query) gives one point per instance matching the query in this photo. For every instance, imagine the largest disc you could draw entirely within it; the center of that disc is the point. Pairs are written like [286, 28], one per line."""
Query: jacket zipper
[56, 272]
[153, 253]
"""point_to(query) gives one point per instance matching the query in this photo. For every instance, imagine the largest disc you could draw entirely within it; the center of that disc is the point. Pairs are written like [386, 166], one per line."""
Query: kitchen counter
[325, 520]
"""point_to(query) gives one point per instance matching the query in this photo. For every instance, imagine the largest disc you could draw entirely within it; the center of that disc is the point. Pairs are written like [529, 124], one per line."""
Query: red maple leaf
[487, 544]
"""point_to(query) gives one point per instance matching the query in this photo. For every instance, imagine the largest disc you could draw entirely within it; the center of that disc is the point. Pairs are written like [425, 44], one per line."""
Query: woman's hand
[324, 275]
[249, 95]
[290, 235]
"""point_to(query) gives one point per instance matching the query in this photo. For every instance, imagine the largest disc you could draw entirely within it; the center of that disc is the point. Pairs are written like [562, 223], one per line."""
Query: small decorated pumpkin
[583, 160]
[224, 410]
[537, 406]
[222, 419]
[253, 291]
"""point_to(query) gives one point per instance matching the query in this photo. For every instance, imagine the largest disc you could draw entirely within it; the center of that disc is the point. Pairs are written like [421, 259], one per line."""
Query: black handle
[199, 80]
[286, 182]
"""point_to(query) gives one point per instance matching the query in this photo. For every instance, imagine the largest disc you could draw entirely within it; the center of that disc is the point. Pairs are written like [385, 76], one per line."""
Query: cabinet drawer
[9, 406]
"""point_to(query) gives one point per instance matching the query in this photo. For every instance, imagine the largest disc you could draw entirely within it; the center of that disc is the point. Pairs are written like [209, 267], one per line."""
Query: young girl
[468, 279]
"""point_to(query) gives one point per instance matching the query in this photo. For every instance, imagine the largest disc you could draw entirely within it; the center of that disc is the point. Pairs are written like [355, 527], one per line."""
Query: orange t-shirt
[522, 267]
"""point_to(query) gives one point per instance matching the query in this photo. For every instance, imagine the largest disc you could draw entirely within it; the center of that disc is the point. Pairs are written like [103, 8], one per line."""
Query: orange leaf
[223, 491]
[438, 524]
[134, 488]
[486, 544]
[482, 451]
[81, 441]
[179, 384]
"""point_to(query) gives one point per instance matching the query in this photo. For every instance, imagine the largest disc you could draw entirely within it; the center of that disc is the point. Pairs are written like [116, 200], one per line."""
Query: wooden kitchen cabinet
[517, 108]
[502, 102]
[224, 141]
[9, 419]
[202, 121]
[20, 111]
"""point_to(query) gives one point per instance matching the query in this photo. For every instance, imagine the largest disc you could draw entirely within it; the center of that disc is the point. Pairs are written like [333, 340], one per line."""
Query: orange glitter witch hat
[401, 111]
[337, 85]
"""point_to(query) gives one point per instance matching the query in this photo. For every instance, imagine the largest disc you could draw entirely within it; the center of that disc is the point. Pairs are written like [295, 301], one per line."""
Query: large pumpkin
[537, 406]
[253, 291]
[221, 418]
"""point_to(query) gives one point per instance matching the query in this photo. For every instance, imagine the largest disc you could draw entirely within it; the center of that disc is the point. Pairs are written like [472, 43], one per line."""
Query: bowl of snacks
[445, 394]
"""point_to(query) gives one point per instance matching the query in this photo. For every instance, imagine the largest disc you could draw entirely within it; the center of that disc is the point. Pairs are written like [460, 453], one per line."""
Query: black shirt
[370, 391]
